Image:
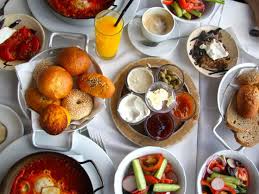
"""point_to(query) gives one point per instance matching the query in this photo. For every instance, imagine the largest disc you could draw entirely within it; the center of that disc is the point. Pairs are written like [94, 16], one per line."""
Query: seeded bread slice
[248, 138]
[237, 123]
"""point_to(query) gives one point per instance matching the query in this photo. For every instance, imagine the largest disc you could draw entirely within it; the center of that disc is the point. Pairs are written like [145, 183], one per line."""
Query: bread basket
[51, 54]
[227, 88]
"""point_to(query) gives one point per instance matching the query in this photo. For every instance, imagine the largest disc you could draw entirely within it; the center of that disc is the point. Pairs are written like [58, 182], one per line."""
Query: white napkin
[24, 74]
[241, 24]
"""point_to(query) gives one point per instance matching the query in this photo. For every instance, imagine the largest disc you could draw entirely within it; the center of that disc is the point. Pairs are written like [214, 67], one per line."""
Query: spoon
[154, 44]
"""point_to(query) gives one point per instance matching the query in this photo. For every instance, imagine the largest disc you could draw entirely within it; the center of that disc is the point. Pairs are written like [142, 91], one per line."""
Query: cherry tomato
[151, 162]
[168, 2]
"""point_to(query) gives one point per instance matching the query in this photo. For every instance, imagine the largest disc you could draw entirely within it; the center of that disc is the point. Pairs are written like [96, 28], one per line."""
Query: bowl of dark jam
[159, 126]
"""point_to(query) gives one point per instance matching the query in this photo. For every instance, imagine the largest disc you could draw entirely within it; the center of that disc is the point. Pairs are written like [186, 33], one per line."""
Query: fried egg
[50, 190]
[3, 133]
[43, 182]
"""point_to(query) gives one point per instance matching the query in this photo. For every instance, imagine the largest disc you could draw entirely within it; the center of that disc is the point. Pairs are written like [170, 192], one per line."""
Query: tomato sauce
[185, 106]
[65, 173]
[79, 8]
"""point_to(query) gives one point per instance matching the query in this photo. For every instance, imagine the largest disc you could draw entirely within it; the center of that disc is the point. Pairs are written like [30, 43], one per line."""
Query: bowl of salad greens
[228, 172]
[150, 170]
[191, 11]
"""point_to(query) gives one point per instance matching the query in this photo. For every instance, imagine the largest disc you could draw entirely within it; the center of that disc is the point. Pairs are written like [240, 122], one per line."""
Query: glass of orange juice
[107, 35]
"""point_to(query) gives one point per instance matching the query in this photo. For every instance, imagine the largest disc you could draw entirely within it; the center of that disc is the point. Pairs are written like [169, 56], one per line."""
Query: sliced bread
[236, 122]
[248, 138]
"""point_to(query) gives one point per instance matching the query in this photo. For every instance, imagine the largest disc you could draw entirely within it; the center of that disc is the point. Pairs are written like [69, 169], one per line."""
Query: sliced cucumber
[187, 15]
[178, 10]
[161, 170]
[196, 13]
[228, 179]
[139, 175]
[165, 188]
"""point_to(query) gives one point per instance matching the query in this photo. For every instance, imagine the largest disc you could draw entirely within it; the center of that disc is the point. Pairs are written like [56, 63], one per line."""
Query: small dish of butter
[160, 97]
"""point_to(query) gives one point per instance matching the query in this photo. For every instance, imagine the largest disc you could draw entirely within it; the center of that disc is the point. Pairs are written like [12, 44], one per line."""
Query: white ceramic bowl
[125, 164]
[252, 170]
[169, 20]
[210, 8]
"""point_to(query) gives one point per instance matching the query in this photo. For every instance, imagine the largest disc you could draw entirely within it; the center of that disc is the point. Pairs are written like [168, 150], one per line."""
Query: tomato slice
[242, 174]
[167, 181]
[152, 162]
[168, 2]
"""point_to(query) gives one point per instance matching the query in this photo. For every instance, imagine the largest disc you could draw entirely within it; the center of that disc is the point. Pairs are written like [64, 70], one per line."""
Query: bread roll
[79, 104]
[55, 82]
[36, 101]
[54, 119]
[248, 101]
[96, 85]
[249, 78]
[74, 60]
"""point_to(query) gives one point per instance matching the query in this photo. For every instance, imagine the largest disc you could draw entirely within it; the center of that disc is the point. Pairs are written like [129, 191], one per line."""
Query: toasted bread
[236, 122]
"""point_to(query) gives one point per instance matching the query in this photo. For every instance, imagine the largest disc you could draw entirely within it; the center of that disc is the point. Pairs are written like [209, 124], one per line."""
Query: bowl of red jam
[185, 107]
[159, 126]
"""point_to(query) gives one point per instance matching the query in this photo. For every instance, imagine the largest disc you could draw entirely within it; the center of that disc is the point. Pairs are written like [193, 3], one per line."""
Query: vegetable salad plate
[83, 149]
[54, 22]
[136, 36]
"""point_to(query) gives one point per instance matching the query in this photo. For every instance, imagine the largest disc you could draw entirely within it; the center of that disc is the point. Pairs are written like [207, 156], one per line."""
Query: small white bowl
[210, 9]
[126, 162]
[252, 170]
[169, 22]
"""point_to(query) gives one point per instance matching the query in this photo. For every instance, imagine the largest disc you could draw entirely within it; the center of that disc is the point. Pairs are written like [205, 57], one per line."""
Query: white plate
[135, 35]
[48, 19]
[229, 43]
[13, 123]
[82, 145]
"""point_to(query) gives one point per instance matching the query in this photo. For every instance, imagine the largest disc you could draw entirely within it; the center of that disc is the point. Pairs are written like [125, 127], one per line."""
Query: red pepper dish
[79, 9]
[22, 45]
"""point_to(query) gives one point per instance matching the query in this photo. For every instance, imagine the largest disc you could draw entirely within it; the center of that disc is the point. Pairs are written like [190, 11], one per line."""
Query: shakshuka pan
[80, 9]
[47, 172]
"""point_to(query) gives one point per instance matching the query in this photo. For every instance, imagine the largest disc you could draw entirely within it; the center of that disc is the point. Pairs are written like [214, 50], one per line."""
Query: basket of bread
[238, 102]
[63, 88]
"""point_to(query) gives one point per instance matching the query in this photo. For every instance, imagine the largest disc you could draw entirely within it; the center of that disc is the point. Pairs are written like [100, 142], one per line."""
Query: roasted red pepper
[22, 45]
[152, 162]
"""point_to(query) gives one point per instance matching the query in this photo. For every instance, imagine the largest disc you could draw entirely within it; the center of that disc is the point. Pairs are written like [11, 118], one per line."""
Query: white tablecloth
[201, 137]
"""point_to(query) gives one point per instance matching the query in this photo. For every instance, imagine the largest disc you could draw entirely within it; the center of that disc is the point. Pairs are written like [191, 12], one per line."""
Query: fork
[98, 140]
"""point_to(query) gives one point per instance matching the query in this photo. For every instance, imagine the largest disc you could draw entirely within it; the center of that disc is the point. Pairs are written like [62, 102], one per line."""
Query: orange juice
[107, 35]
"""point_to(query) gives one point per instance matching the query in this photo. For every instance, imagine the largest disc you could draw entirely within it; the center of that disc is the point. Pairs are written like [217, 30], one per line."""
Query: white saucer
[135, 35]
[13, 123]
[82, 146]
[49, 19]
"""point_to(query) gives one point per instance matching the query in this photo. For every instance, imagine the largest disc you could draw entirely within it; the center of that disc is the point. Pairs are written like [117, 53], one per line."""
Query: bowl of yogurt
[133, 109]
[139, 79]
[160, 97]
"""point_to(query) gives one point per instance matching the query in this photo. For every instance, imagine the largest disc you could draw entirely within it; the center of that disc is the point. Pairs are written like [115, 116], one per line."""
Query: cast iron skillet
[6, 185]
